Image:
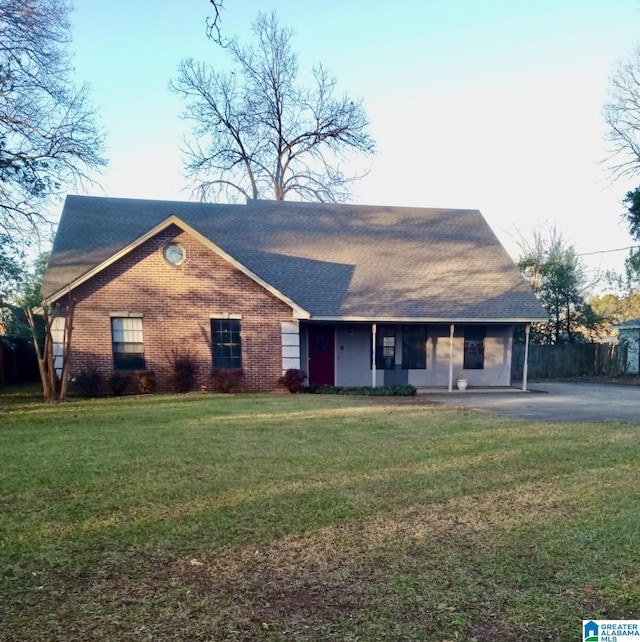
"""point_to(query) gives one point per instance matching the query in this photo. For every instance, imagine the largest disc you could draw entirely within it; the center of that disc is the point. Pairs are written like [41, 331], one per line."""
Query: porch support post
[451, 330]
[374, 329]
[525, 368]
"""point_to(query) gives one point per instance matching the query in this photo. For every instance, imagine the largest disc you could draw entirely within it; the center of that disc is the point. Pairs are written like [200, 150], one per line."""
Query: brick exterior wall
[177, 302]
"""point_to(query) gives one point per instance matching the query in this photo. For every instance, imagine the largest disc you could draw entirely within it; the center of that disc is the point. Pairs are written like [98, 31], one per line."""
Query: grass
[304, 517]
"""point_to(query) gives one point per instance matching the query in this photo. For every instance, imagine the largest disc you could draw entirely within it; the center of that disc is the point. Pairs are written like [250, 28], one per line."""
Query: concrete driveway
[574, 402]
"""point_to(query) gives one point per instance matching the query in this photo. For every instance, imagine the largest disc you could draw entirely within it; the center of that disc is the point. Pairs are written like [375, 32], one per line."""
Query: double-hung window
[226, 345]
[474, 347]
[128, 343]
[414, 346]
[386, 347]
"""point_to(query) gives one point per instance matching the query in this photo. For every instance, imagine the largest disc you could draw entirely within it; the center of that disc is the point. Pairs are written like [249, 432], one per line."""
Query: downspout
[525, 368]
[374, 329]
[451, 329]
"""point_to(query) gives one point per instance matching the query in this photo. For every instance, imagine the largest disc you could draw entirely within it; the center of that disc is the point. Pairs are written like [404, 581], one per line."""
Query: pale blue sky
[495, 105]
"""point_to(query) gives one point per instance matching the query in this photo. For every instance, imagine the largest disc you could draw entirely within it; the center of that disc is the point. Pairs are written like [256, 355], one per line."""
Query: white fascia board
[298, 312]
[355, 319]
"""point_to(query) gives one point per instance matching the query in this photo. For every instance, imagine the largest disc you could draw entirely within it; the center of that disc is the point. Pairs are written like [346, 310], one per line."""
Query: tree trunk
[53, 389]
[44, 377]
[66, 348]
[50, 364]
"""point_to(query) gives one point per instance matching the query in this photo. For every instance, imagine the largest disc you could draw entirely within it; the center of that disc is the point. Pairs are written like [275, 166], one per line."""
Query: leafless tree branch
[259, 132]
[213, 24]
[48, 137]
[622, 115]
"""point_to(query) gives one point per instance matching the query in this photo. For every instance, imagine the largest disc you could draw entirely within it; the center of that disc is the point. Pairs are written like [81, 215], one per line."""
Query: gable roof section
[346, 262]
[174, 220]
[632, 324]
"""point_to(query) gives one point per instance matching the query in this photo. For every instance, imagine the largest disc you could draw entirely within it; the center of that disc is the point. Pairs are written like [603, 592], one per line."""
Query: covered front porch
[422, 354]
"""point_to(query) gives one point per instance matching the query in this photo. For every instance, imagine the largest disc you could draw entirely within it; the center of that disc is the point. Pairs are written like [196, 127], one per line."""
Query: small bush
[293, 380]
[145, 381]
[323, 390]
[226, 379]
[184, 370]
[118, 383]
[400, 390]
[88, 382]
[404, 390]
[137, 382]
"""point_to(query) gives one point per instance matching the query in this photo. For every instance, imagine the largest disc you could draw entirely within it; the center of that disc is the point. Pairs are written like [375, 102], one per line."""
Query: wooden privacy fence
[570, 360]
[18, 362]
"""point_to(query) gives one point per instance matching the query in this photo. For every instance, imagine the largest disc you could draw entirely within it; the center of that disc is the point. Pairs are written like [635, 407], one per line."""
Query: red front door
[321, 355]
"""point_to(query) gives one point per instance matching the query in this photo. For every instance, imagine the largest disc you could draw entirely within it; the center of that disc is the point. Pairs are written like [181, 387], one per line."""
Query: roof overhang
[298, 311]
[357, 319]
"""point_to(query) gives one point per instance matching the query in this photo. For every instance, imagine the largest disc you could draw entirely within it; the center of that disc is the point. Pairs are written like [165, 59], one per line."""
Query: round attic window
[174, 253]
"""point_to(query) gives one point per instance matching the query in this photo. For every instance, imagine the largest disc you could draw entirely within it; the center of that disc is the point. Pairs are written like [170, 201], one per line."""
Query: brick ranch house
[353, 295]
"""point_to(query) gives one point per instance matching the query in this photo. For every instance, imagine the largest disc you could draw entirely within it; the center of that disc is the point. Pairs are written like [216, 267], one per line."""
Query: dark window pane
[414, 347]
[128, 361]
[474, 347]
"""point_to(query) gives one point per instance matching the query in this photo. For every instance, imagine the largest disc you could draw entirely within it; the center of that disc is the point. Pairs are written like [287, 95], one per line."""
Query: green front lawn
[304, 517]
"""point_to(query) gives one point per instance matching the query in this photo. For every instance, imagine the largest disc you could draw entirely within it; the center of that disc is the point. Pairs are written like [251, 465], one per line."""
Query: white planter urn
[462, 383]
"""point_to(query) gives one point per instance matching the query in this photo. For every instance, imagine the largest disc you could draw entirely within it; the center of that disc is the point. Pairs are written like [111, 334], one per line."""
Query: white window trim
[225, 316]
[131, 315]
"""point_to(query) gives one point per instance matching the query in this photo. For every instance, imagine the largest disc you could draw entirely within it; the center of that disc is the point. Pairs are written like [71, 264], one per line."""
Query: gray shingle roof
[332, 260]
[632, 324]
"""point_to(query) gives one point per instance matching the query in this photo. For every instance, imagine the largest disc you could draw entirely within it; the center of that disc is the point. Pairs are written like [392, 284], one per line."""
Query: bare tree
[48, 141]
[622, 115]
[48, 138]
[257, 133]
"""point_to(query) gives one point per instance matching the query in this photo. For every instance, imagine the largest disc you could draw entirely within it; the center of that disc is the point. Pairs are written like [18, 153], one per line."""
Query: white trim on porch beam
[434, 320]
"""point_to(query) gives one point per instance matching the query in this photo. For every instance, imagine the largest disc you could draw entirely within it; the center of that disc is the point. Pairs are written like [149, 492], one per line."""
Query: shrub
[184, 370]
[404, 390]
[88, 382]
[226, 379]
[293, 380]
[118, 382]
[400, 390]
[145, 381]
